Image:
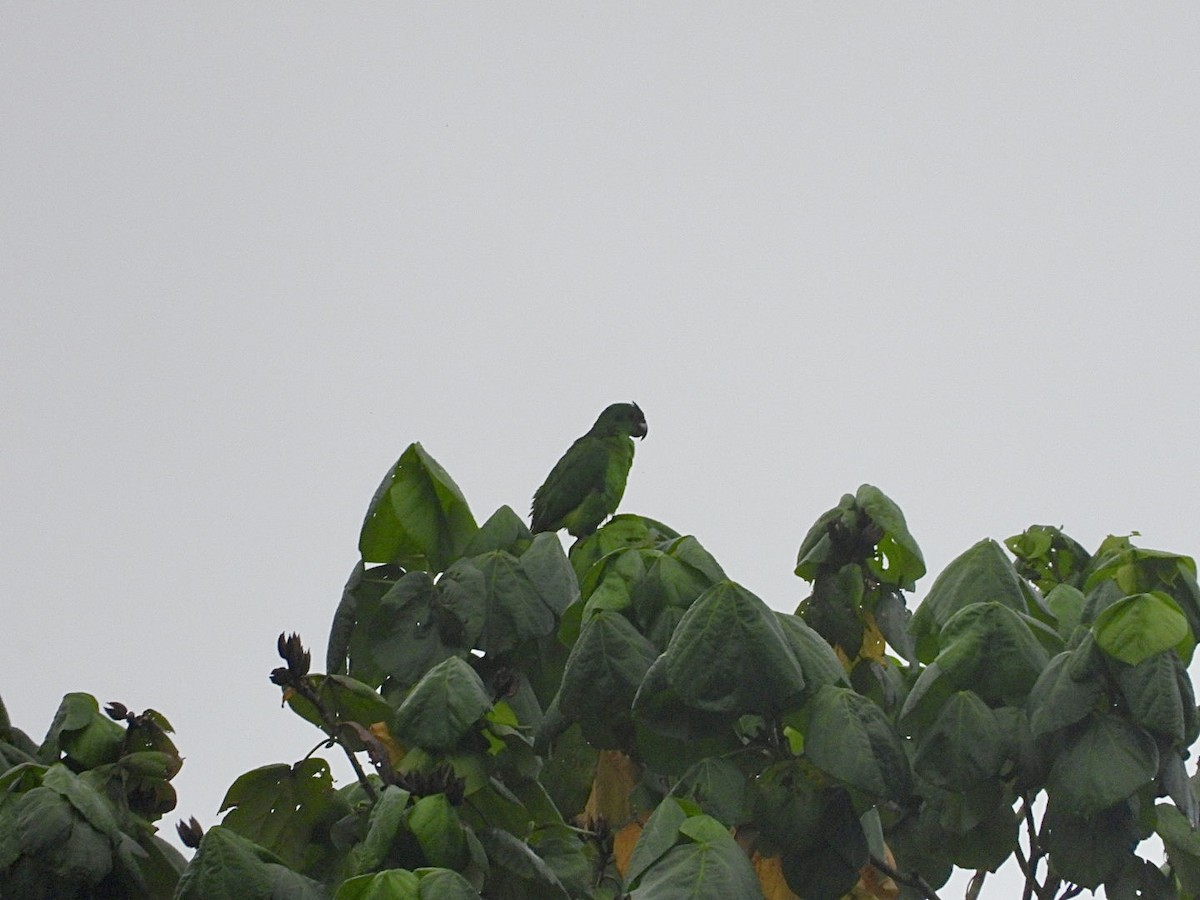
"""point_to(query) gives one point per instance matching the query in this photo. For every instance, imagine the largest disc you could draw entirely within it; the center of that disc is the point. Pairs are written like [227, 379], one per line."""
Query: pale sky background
[248, 252]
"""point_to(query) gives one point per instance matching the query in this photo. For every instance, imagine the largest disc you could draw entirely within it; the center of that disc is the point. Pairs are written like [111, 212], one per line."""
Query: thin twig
[368, 788]
[331, 726]
[1030, 866]
[1022, 862]
[913, 880]
[322, 745]
[976, 885]
[295, 678]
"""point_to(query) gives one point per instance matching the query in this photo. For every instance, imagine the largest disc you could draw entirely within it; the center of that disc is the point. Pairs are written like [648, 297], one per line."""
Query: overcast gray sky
[248, 252]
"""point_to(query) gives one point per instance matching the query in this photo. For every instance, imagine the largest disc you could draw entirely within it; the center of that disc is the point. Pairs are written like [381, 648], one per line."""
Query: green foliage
[624, 720]
[703, 860]
[1138, 626]
[418, 518]
[289, 810]
[228, 866]
[79, 820]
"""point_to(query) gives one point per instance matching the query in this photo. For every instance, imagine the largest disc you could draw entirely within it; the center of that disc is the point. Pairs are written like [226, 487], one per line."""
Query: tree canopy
[621, 719]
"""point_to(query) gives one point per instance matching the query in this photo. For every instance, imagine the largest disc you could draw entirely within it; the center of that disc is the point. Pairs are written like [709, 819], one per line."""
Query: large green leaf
[710, 864]
[437, 828]
[288, 810]
[610, 583]
[986, 648]
[829, 869]
[836, 606]
[981, 827]
[443, 884]
[1158, 695]
[80, 731]
[102, 818]
[1137, 627]
[493, 805]
[852, 739]
[819, 665]
[674, 578]
[1174, 781]
[1089, 850]
[1137, 569]
[21, 750]
[602, 675]
[932, 689]
[818, 550]
[672, 735]
[229, 867]
[619, 533]
[363, 590]
[898, 560]
[660, 834]
[343, 697]
[415, 625]
[390, 884]
[504, 530]
[892, 618]
[461, 608]
[426, 883]
[1048, 557]
[382, 844]
[1125, 570]
[568, 770]
[991, 649]
[865, 528]
[982, 574]
[161, 867]
[1182, 843]
[963, 746]
[1140, 879]
[93, 806]
[1059, 698]
[1065, 603]
[46, 842]
[787, 804]
[546, 566]
[718, 787]
[654, 585]
[443, 706]
[729, 654]
[60, 836]
[516, 609]
[516, 871]
[919, 845]
[418, 517]
[1104, 763]
[561, 848]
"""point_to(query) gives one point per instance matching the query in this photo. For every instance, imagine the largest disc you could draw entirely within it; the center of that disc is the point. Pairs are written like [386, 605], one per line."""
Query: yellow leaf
[616, 777]
[770, 878]
[395, 749]
[873, 644]
[873, 884]
[623, 843]
[843, 658]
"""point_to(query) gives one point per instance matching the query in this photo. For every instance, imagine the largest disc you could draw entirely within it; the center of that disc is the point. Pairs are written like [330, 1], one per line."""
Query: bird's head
[622, 418]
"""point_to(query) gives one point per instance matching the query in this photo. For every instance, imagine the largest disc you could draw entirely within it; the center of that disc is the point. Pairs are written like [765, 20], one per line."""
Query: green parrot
[585, 486]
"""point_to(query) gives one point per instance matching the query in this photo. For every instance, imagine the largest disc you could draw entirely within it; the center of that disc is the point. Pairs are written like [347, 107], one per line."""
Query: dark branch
[911, 879]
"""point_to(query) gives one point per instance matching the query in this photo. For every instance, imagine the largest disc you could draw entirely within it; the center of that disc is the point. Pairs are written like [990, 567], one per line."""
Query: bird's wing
[582, 470]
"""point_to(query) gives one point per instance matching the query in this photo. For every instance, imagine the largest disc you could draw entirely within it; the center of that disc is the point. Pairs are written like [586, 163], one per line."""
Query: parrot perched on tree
[585, 486]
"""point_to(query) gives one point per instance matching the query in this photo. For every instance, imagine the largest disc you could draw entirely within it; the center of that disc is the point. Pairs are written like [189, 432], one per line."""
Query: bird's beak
[641, 432]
